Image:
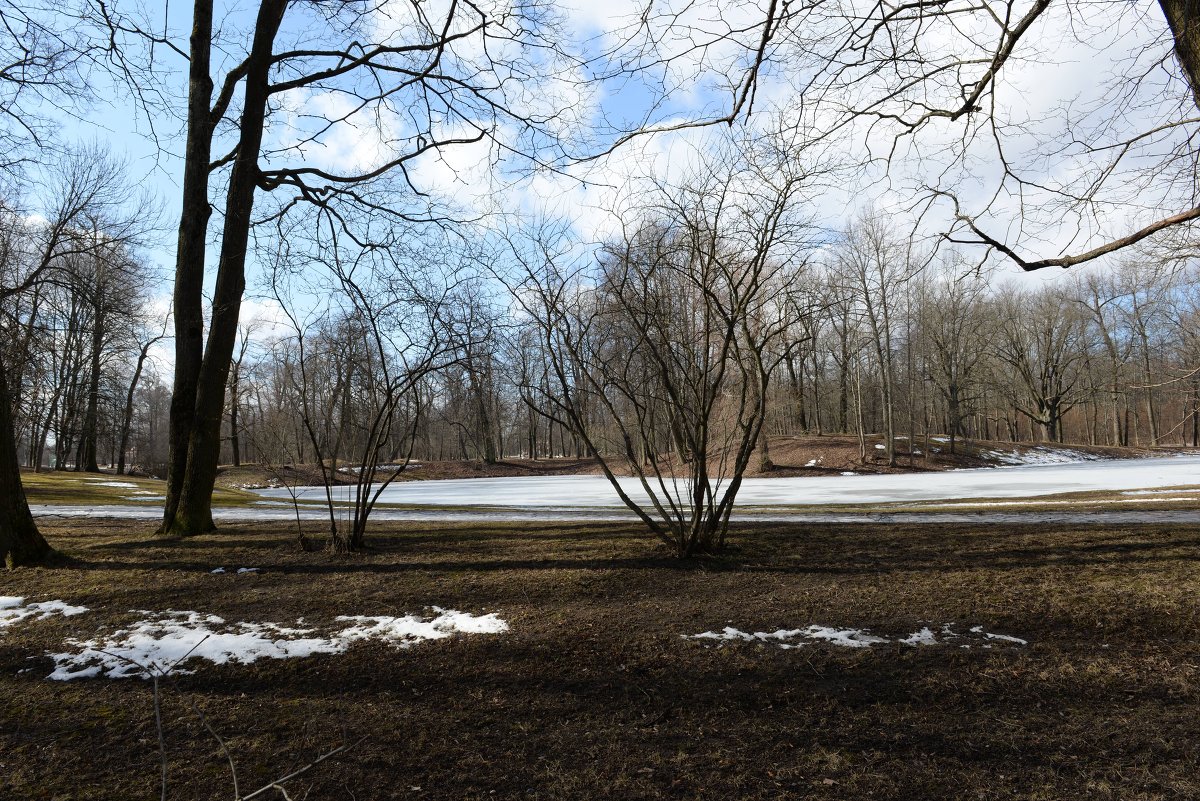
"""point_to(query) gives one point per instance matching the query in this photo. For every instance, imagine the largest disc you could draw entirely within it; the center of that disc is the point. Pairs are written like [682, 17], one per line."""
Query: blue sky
[1064, 64]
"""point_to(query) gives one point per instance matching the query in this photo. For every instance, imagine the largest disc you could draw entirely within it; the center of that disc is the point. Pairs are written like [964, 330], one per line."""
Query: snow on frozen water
[162, 640]
[946, 634]
[591, 492]
[762, 514]
[13, 609]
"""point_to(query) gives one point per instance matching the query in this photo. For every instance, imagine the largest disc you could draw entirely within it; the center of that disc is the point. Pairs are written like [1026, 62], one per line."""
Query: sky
[1068, 85]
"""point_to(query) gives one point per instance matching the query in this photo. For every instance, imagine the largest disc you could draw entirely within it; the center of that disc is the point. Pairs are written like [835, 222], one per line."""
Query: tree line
[872, 339]
[797, 330]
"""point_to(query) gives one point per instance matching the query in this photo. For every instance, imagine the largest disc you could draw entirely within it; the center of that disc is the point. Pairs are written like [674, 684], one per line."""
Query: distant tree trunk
[765, 465]
[1196, 414]
[797, 383]
[127, 417]
[860, 423]
[233, 415]
[843, 391]
[91, 418]
[20, 541]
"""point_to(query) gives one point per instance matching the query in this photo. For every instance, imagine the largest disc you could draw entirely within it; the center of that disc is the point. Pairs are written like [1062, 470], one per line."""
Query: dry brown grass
[594, 693]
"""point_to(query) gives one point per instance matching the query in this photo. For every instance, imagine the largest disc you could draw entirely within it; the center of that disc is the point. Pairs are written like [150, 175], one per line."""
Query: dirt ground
[595, 693]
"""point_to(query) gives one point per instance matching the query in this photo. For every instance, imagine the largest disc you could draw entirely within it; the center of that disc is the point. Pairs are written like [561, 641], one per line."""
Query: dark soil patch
[594, 693]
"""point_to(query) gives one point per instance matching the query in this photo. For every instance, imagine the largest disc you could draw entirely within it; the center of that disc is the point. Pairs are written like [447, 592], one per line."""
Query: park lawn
[594, 692]
[68, 487]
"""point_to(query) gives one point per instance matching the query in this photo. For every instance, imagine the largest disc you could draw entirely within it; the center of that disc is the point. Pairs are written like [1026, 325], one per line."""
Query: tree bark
[189, 257]
[20, 541]
[87, 461]
[1183, 16]
[193, 514]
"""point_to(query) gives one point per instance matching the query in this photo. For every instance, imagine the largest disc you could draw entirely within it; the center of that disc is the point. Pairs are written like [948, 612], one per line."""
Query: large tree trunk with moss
[193, 514]
[20, 541]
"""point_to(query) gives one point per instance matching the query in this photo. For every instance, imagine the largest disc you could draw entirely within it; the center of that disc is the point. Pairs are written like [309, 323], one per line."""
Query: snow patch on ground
[393, 468]
[1039, 455]
[945, 634]
[163, 640]
[13, 610]
[118, 484]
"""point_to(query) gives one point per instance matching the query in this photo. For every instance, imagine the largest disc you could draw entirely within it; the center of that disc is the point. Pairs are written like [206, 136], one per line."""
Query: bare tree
[662, 347]
[948, 84]
[1040, 339]
[376, 324]
[89, 196]
[954, 323]
[876, 263]
[420, 80]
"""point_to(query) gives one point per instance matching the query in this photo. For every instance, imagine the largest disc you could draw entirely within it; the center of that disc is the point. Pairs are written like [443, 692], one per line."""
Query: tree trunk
[91, 419]
[127, 417]
[20, 541]
[1184, 18]
[194, 512]
[189, 258]
[234, 442]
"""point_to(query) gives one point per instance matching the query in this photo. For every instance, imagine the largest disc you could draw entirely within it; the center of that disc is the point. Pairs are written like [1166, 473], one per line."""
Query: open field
[594, 692]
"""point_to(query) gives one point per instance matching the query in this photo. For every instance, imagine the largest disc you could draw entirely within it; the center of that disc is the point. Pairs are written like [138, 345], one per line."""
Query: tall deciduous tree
[91, 212]
[407, 79]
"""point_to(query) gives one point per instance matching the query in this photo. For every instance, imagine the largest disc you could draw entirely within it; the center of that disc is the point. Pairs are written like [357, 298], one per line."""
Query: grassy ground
[594, 693]
[101, 488]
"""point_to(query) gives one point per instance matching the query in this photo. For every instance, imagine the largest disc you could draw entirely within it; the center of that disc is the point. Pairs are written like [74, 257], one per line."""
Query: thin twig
[162, 740]
[275, 784]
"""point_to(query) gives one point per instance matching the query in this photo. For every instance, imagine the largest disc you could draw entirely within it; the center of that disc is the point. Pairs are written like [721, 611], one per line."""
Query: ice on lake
[594, 492]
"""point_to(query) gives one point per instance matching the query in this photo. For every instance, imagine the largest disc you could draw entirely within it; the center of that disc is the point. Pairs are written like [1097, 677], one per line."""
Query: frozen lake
[594, 492]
